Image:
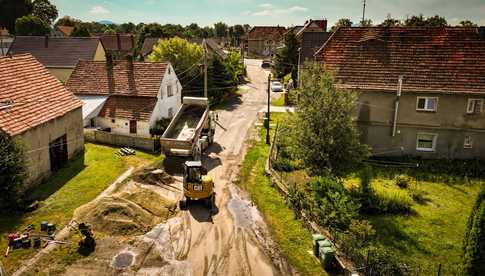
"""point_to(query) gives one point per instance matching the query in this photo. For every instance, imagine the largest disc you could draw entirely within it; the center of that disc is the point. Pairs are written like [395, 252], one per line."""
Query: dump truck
[191, 130]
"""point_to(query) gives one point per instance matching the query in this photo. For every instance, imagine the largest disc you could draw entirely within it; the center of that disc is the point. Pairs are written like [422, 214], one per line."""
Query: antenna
[363, 12]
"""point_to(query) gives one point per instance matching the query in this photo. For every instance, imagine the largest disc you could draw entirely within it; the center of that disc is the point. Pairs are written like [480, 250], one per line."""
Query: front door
[58, 153]
[133, 127]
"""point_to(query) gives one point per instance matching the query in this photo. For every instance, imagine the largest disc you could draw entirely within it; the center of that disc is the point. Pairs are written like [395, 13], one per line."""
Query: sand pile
[153, 176]
[130, 212]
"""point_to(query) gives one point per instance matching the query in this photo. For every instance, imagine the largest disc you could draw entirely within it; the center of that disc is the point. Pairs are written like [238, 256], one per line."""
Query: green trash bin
[327, 257]
[316, 238]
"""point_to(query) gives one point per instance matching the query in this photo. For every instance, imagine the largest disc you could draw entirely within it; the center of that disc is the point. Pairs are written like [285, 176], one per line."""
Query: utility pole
[363, 13]
[267, 114]
[204, 44]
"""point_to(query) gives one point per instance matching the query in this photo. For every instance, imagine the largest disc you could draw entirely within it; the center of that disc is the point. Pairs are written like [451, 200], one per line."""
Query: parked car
[276, 86]
[266, 64]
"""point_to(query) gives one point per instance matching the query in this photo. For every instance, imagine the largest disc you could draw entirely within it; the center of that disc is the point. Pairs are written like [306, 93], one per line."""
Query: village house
[126, 97]
[37, 111]
[312, 26]
[264, 40]
[421, 89]
[59, 54]
[119, 46]
[62, 31]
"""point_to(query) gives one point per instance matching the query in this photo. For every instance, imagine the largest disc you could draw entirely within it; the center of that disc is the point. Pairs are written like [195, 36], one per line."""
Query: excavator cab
[198, 185]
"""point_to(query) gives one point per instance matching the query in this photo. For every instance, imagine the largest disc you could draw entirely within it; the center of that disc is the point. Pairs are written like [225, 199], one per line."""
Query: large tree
[342, 22]
[390, 22]
[474, 241]
[10, 10]
[126, 28]
[12, 171]
[81, 30]
[436, 21]
[220, 29]
[286, 60]
[421, 21]
[31, 25]
[44, 10]
[326, 139]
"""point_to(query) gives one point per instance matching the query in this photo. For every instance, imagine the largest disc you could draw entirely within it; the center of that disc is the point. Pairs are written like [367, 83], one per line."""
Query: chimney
[46, 41]
[481, 32]
[118, 41]
[323, 24]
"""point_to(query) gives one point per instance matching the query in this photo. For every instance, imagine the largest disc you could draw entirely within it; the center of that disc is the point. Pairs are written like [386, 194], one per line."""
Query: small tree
[366, 23]
[12, 171]
[68, 21]
[343, 22]
[287, 58]
[81, 30]
[326, 139]
[31, 25]
[474, 242]
[220, 29]
[390, 22]
[467, 23]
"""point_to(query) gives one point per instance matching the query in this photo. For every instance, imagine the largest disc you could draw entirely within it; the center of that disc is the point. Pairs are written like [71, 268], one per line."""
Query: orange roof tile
[30, 95]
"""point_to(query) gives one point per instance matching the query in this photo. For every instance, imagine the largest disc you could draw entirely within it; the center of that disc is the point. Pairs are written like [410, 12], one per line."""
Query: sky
[265, 12]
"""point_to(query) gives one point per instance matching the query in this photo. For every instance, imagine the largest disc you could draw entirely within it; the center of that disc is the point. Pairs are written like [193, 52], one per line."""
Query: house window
[427, 104]
[170, 112]
[169, 91]
[474, 106]
[468, 143]
[426, 142]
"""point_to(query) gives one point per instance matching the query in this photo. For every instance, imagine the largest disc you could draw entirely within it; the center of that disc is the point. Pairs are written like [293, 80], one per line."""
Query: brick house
[421, 89]
[126, 97]
[38, 111]
[264, 40]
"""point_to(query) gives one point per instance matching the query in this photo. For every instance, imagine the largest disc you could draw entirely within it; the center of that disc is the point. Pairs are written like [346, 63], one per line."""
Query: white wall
[164, 102]
[122, 126]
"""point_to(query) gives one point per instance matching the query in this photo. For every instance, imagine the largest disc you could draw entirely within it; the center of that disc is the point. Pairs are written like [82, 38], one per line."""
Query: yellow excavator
[198, 185]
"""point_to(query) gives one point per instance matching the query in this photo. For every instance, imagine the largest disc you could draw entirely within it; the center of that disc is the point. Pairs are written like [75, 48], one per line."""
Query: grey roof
[311, 42]
[56, 51]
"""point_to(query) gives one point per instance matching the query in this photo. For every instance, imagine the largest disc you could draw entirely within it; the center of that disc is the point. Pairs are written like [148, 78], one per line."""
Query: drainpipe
[396, 106]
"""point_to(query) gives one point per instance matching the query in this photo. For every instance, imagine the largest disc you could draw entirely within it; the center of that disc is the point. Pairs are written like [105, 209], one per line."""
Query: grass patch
[278, 102]
[79, 182]
[290, 233]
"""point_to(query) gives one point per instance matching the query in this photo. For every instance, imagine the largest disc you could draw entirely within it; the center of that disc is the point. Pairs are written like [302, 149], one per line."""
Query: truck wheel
[183, 203]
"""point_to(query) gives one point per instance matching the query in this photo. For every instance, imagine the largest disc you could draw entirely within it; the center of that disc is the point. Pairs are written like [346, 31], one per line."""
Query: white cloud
[99, 10]
[266, 6]
[274, 12]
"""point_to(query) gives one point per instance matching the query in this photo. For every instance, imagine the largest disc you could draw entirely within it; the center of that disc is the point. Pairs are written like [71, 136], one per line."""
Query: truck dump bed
[186, 126]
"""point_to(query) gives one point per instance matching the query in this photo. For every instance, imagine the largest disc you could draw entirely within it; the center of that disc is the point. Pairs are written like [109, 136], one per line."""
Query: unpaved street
[236, 242]
[233, 241]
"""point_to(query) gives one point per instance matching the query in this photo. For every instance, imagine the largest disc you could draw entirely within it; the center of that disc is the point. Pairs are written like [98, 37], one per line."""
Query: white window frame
[169, 91]
[470, 107]
[468, 142]
[426, 104]
[435, 141]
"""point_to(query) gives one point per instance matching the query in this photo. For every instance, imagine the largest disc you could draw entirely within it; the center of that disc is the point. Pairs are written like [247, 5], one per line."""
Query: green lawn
[432, 235]
[278, 102]
[294, 239]
[78, 183]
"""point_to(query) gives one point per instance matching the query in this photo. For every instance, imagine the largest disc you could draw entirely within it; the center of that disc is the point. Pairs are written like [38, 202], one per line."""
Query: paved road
[236, 241]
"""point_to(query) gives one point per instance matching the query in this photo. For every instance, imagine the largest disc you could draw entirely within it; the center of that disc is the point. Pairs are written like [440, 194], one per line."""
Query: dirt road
[236, 241]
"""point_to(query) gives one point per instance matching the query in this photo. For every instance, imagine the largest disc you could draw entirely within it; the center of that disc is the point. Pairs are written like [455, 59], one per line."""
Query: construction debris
[126, 151]
[153, 175]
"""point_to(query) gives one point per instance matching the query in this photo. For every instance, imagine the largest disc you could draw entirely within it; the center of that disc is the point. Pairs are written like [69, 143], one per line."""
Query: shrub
[356, 239]
[332, 207]
[383, 262]
[12, 172]
[474, 241]
[283, 165]
[402, 181]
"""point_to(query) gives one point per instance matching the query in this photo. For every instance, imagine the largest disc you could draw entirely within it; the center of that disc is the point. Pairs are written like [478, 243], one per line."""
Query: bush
[332, 207]
[357, 239]
[383, 262]
[12, 172]
[283, 165]
[402, 181]
[474, 241]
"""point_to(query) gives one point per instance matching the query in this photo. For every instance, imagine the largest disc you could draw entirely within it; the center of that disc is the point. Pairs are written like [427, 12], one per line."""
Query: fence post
[439, 270]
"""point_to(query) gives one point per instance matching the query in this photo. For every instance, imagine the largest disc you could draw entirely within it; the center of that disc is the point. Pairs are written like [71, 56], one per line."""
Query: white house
[126, 97]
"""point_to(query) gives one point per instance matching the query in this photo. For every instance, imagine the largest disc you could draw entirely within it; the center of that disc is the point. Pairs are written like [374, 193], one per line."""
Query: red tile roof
[66, 30]
[440, 59]
[124, 43]
[142, 79]
[274, 33]
[129, 108]
[56, 51]
[35, 96]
